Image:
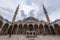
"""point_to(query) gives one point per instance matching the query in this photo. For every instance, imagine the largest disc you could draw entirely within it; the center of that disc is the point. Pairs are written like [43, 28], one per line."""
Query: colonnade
[18, 29]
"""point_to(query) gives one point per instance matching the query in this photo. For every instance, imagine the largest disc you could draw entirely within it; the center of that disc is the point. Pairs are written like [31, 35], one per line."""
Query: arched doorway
[14, 29]
[25, 28]
[41, 29]
[52, 30]
[1, 23]
[30, 27]
[57, 28]
[35, 26]
[20, 29]
[4, 29]
[36, 29]
[46, 29]
[10, 29]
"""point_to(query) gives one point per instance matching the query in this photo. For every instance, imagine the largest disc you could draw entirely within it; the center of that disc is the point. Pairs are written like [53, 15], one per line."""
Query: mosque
[29, 28]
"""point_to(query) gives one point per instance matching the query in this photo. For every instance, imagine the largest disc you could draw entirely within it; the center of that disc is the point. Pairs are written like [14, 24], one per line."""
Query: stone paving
[22, 37]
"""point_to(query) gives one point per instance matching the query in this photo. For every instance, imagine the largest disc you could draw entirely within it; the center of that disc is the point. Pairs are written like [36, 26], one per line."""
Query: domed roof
[30, 18]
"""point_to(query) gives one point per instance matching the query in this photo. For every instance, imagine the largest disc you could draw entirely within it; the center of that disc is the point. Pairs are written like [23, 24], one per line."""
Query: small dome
[30, 18]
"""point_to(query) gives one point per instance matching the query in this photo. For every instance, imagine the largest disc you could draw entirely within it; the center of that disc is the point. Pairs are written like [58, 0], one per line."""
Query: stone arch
[30, 27]
[25, 26]
[46, 29]
[41, 29]
[57, 28]
[10, 29]
[14, 29]
[52, 30]
[35, 26]
[4, 29]
[20, 29]
[20, 26]
[1, 23]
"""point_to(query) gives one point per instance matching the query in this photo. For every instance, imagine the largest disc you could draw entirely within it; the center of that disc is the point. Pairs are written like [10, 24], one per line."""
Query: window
[35, 26]
[41, 29]
[30, 27]
[25, 26]
[19, 29]
[52, 30]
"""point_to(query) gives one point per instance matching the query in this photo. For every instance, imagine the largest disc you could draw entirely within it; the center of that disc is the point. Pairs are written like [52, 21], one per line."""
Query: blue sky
[30, 7]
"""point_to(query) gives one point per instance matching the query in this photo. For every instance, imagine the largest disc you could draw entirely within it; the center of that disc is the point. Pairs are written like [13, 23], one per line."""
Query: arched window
[5, 27]
[25, 26]
[30, 27]
[30, 33]
[20, 26]
[1, 23]
[35, 26]
[10, 29]
[27, 33]
[52, 30]
[41, 29]
[46, 29]
[20, 29]
[57, 28]
[14, 29]
[40, 26]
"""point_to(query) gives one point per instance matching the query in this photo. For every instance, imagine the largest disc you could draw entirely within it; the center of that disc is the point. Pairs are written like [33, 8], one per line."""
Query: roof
[30, 18]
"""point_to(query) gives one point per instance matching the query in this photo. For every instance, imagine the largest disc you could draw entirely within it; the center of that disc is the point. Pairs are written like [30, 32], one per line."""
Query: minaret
[14, 17]
[46, 14]
[16, 12]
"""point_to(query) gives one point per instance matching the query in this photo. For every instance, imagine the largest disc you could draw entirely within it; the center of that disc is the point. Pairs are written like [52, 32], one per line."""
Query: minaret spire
[46, 14]
[14, 17]
[16, 12]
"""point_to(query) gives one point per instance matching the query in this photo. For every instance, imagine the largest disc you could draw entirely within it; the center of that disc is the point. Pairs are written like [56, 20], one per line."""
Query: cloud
[6, 14]
[55, 15]
[23, 15]
[8, 7]
[32, 13]
[28, 2]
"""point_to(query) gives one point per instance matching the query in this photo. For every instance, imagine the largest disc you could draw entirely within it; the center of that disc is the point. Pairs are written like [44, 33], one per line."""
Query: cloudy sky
[30, 8]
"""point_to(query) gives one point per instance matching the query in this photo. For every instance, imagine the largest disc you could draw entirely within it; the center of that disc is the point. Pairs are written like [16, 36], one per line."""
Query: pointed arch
[10, 29]
[5, 27]
[20, 26]
[30, 27]
[52, 30]
[41, 29]
[1, 23]
[25, 26]
[20, 29]
[40, 26]
[57, 28]
[14, 29]
[46, 29]
[35, 26]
